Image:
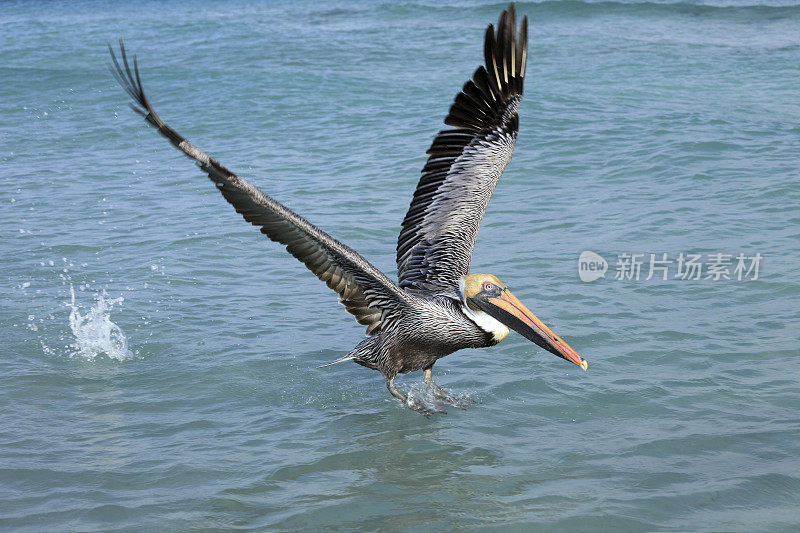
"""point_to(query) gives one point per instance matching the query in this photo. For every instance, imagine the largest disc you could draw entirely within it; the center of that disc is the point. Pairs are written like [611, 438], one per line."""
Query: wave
[589, 7]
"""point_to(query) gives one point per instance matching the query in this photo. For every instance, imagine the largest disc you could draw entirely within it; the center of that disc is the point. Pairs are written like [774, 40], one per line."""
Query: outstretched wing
[439, 232]
[364, 290]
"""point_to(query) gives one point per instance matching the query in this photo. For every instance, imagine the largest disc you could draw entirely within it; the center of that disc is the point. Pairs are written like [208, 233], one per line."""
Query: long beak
[510, 311]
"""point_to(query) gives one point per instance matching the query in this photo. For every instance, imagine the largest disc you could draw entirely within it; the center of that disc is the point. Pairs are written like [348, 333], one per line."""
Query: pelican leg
[396, 393]
[428, 378]
[442, 395]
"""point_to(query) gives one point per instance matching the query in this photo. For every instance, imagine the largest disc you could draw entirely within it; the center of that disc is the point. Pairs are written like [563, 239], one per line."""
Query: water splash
[94, 332]
[429, 399]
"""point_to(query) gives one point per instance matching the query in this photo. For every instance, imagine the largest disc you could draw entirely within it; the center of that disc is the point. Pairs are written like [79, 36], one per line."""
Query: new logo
[591, 266]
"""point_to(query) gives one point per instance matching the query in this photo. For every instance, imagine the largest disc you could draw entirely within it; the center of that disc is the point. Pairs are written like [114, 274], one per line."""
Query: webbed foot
[461, 401]
[417, 404]
[423, 408]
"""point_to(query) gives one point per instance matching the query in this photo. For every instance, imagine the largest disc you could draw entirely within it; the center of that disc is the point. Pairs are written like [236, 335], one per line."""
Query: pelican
[437, 306]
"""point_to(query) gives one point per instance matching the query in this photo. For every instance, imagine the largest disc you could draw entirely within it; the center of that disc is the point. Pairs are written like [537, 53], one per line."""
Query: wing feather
[364, 290]
[440, 228]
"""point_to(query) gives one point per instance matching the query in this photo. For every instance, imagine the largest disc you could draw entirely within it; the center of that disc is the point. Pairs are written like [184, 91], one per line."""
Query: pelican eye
[488, 287]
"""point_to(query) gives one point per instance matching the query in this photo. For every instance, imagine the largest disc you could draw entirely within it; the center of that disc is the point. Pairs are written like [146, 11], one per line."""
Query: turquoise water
[159, 361]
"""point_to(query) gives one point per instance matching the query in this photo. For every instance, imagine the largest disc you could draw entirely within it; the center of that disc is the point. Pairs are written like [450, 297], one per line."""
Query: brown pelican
[436, 307]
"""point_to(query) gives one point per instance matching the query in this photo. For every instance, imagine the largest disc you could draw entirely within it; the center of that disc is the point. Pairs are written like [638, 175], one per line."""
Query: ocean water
[159, 355]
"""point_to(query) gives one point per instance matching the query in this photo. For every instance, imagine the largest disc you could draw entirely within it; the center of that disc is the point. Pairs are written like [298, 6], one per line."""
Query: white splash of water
[94, 331]
[427, 397]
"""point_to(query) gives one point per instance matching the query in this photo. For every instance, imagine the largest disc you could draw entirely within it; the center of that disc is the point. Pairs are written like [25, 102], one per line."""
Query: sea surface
[159, 356]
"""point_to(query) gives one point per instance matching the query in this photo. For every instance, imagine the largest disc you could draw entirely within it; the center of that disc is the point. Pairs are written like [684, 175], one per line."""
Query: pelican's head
[492, 306]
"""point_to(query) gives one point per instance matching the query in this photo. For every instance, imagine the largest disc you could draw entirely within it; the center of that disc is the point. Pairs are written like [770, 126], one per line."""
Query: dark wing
[439, 232]
[364, 290]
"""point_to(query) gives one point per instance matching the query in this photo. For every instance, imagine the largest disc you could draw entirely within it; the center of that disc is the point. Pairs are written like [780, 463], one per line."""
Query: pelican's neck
[483, 320]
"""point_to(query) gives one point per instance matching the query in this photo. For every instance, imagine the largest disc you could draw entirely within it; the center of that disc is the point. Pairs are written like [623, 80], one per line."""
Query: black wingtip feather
[482, 103]
[131, 82]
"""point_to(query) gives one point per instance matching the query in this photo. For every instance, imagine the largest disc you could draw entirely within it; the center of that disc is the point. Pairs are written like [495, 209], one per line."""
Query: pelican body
[436, 306]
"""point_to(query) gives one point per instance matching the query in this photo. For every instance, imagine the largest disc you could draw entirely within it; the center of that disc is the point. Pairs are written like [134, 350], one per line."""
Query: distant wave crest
[588, 7]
